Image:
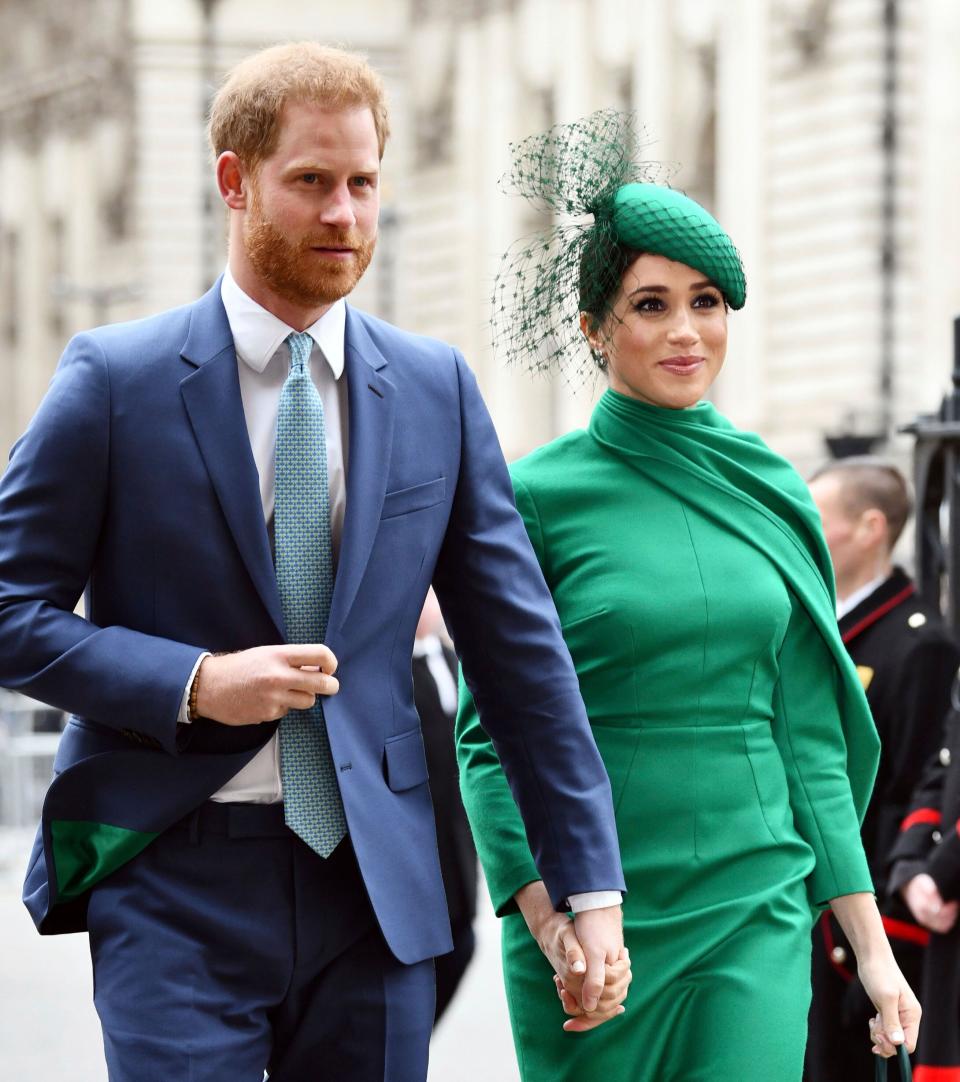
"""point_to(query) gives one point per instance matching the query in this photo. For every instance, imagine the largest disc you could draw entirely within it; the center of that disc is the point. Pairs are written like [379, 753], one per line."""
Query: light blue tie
[304, 564]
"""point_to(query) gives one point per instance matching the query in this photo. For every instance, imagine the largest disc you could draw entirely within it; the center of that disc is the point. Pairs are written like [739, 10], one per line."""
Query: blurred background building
[823, 134]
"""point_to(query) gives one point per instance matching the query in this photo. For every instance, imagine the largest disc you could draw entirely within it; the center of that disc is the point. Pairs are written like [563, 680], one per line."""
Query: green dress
[695, 596]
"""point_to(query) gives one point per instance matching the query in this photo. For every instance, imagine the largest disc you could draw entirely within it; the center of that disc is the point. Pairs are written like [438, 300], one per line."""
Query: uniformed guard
[926, 874]
[907, 662]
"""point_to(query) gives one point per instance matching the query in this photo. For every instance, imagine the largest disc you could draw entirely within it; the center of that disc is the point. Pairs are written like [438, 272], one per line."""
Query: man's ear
[874, 527]
[232, 180]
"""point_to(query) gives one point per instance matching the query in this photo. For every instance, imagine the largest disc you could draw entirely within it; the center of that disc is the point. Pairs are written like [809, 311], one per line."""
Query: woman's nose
[682, 329]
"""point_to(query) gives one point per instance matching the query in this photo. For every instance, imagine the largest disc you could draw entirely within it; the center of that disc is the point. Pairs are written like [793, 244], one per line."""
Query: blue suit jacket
[135, 483]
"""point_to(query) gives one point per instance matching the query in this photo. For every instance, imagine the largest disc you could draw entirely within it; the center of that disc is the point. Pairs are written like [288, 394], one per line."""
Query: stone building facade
[822, 133]
[108, 208]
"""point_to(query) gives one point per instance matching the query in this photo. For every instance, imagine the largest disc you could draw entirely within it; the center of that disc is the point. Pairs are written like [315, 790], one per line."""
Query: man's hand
[557, 936]
[617, 978]
[927, 906]
[264, 683]
[600, 934]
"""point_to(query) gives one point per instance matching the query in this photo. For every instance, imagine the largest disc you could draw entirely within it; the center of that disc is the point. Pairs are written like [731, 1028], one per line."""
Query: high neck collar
[619, 419]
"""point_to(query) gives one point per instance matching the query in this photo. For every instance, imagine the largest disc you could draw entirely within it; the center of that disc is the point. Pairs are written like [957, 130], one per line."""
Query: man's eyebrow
[307, 166]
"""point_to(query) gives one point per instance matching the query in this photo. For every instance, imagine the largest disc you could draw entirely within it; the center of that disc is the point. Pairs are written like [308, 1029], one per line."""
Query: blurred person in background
[906, 661]
[435, 696]
[694, 590]
[254, 491]
[925, 875]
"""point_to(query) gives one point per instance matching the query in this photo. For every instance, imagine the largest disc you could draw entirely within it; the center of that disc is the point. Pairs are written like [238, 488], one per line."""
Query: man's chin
[316, 294]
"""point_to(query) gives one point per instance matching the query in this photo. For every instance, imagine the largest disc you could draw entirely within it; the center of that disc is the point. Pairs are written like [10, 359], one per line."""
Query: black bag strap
[880, 1066]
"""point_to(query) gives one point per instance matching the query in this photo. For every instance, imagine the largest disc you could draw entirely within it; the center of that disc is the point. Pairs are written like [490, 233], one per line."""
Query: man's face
[311, 224]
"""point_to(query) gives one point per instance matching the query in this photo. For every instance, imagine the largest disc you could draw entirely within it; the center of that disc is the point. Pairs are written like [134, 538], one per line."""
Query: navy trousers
[228, 948]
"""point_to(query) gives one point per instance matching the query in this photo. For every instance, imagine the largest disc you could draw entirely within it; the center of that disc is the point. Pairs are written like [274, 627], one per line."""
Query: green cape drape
[733, 477]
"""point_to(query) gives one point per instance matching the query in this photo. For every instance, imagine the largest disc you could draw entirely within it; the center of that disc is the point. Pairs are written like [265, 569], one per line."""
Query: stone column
[742, 96]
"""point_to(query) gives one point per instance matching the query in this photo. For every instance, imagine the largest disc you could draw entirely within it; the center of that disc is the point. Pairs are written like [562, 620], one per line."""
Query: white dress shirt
[850, 602]
[263, 362]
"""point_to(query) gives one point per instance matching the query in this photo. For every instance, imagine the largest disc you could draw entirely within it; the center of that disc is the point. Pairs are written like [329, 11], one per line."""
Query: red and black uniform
[907, 662]
[929, 841]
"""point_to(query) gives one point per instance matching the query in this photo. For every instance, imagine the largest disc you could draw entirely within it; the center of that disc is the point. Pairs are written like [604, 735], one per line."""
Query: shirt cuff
[594, 899]
[183, 718]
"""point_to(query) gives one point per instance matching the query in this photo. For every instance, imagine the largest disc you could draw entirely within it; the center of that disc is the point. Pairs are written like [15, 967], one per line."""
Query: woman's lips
[683, 366]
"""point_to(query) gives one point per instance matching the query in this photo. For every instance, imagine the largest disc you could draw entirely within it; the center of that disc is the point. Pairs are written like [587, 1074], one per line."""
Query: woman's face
[666, 335]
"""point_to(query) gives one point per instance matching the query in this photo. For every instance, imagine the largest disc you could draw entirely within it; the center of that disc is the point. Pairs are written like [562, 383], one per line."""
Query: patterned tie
[304, 563]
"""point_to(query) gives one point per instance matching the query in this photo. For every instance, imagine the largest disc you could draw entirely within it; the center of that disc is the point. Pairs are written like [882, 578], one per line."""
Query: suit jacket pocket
[404, 761]
[415, 498]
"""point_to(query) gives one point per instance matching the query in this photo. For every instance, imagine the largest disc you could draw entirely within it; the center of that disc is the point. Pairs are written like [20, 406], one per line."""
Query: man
[925, 873]
[255, 492]
[907, 662]
[435, 697]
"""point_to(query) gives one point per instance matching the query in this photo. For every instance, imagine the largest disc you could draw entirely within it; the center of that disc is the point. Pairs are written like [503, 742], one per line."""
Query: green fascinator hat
[663, 221]
[607, 206]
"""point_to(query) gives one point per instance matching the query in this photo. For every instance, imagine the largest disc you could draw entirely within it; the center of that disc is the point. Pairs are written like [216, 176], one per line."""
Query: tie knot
[301, 345]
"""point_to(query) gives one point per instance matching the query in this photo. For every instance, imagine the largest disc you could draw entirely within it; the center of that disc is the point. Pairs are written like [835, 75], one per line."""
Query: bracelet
[192, 697]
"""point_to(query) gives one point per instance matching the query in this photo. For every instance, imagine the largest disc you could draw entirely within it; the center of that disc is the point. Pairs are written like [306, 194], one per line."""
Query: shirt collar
[848, 604]
[258, 334]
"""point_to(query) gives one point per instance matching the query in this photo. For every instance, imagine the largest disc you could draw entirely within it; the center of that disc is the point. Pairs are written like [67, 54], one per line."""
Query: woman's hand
[556, 936]
[553, 931]
[898, 1017]
[617, 980]
[927, 906]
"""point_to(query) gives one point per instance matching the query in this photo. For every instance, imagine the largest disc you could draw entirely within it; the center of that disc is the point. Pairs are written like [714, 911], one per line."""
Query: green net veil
[607, 206]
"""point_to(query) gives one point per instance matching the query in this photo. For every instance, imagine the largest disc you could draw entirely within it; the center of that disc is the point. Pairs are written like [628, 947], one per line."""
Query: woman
[694, 591]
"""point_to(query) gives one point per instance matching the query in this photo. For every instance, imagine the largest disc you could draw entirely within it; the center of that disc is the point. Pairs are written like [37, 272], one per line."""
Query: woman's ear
[591, 331]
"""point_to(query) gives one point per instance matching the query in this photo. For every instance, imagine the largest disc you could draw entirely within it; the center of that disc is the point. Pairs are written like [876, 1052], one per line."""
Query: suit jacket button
[937, 836]
[838, 955]
[917, 619]
[944, 756]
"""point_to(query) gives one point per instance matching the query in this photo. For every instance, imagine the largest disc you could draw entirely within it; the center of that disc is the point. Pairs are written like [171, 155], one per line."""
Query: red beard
[296, 273]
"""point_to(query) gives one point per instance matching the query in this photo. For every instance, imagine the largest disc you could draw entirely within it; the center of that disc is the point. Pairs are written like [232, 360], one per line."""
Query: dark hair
[869, 482]
[602, 265]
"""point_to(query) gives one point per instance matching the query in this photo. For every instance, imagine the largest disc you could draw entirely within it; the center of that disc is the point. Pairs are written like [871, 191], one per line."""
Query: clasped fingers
[618, 976]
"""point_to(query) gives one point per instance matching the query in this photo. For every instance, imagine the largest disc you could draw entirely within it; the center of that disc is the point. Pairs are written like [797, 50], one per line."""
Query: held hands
[264, 683]
[927, 906]
[591, 965]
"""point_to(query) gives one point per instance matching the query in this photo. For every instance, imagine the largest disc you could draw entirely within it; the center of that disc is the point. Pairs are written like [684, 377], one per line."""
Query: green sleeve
[494, 819]
[809, 733]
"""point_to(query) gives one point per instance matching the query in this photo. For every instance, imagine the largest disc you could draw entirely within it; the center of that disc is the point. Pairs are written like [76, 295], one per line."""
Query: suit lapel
[371, 409]
[211, 395]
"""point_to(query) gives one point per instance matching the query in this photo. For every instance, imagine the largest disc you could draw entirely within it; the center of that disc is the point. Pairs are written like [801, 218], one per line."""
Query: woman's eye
[706, 300]
[649, 304]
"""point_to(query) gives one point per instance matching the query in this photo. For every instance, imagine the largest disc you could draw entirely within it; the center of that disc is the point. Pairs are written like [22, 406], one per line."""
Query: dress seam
[703, 670]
